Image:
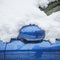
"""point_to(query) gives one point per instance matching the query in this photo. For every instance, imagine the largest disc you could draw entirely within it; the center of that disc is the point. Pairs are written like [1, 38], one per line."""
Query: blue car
[17, 50]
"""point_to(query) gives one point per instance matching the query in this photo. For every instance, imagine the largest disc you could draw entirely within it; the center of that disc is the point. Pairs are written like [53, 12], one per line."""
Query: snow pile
[16, 13]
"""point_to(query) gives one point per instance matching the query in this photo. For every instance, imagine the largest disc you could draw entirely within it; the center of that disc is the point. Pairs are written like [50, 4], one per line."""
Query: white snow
[16, 13]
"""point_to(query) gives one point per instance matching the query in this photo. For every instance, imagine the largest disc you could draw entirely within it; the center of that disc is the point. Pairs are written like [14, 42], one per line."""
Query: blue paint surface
[31, 33]
[42, 51]
[2, 50]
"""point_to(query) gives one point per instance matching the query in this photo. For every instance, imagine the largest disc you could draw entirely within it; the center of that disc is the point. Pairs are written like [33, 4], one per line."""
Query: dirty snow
[16, 13]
